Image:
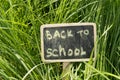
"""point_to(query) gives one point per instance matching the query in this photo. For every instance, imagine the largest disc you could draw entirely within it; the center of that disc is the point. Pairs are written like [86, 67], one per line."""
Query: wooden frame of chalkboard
[58, 34]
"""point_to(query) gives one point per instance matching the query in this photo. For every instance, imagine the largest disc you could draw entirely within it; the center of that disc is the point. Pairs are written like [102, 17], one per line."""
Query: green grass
[20, 22]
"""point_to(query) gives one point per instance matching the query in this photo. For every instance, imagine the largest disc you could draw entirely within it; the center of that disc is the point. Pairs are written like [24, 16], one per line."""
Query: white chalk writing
[62, 52]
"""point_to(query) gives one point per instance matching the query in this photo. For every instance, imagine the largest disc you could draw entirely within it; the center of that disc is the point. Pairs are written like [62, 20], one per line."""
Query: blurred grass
[20, 22]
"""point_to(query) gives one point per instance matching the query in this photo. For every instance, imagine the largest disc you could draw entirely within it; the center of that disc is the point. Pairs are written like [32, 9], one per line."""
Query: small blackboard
[72, 42]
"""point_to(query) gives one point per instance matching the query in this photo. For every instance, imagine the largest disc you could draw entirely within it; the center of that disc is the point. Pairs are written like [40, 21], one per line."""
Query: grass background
[20, 22]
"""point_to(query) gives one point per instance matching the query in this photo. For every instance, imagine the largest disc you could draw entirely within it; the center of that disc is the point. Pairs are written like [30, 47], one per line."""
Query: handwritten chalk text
[62, 52]
[65, 34]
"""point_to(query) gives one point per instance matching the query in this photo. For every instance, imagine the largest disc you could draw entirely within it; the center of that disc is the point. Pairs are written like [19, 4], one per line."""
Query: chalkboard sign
[71, 42]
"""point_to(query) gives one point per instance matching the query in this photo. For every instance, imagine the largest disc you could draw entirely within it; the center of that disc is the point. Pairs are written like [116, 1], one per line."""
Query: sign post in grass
[70, 42]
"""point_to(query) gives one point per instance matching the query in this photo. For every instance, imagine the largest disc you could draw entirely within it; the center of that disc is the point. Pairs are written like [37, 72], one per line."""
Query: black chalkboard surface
[71, 42]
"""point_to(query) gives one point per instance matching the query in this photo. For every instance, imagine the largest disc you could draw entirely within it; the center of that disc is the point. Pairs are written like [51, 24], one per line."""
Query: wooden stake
[65, 64]
[66, 68]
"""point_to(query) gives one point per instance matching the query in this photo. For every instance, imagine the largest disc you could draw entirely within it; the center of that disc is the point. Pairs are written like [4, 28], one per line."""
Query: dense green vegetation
[20, 22]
